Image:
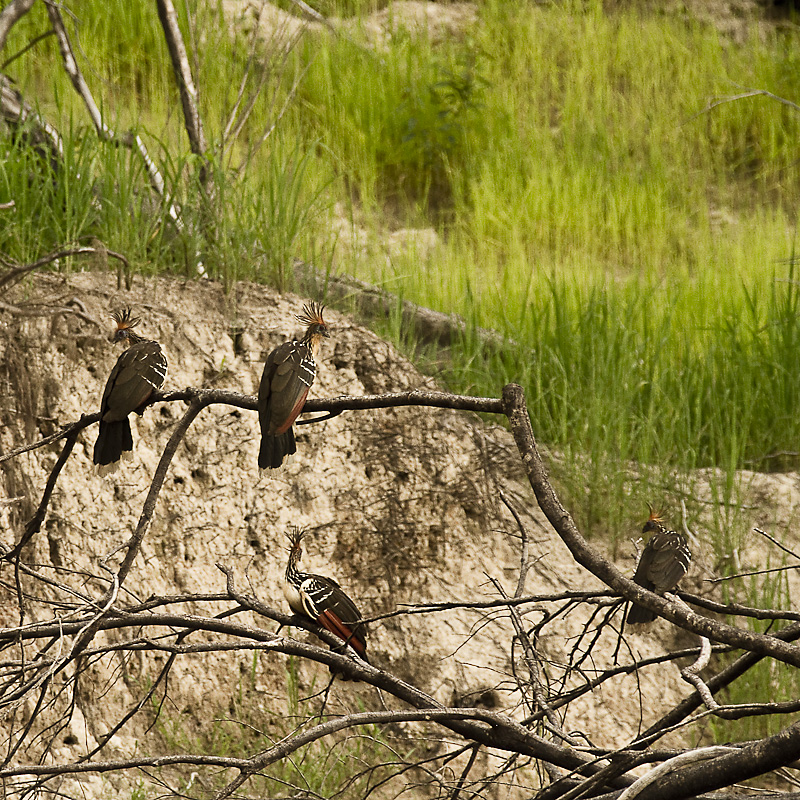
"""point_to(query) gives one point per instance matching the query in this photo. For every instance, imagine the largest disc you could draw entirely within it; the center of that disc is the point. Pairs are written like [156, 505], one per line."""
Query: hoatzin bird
[139, 372]
[663, 563]
[289, 371]
[321, 600]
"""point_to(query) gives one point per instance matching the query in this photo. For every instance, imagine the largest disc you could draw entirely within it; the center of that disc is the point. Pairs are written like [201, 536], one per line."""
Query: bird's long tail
[275, 448]
[114, 442]
[639, 615]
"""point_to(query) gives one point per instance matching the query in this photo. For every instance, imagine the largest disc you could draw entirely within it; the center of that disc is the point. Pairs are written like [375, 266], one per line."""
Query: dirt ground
[403, 506]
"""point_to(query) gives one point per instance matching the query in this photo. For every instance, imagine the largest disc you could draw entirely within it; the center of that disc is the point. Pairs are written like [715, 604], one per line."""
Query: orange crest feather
[656, 515]
[125, 319]
[295, 537]
[312, 314]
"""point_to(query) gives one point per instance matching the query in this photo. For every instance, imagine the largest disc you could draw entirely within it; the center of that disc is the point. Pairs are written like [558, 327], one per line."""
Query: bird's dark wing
[668, 560]
[139, 371]
[326, 603]
[288, 374]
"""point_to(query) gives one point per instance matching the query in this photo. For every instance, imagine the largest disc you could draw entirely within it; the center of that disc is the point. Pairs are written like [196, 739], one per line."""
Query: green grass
[635, 245]
[341, 765]
[767, 681]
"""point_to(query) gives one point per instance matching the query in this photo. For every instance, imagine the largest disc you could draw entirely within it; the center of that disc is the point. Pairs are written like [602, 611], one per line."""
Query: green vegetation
[636, 245]
[767, 681]
[333, 766]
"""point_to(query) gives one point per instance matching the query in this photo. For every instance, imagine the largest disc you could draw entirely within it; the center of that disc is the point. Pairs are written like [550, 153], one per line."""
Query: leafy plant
[434, 130]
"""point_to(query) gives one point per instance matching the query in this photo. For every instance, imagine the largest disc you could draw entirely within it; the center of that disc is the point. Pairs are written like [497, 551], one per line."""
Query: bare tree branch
[692, 757]
[186, 86]
[590, 558]
[733, 766]
[334, 406]
[130, 140]
[12, 12]
[742, 96]
[19, 271]
[35, 523]
[376, 303]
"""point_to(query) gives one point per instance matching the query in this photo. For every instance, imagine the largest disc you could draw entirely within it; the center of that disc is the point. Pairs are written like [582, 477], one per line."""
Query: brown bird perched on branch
[321, 600]
[139, 372]
[289, 371]
[663, 563]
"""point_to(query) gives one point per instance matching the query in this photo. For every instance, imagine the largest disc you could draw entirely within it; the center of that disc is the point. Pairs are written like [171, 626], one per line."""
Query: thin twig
[742, 96]
[130, 140]
[777, 543]
[12, 12]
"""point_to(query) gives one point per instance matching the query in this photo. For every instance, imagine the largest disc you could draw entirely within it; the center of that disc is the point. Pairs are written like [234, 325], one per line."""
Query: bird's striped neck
[313, 341]
[133, 338]
[293, 574]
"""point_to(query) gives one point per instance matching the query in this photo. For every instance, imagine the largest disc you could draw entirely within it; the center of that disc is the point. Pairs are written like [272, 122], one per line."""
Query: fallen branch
[376, 303]
[130, 140]
[16, 272]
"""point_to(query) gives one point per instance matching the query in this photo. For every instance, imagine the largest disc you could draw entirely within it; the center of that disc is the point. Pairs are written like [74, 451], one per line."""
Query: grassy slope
[636, 245]
[633, 245]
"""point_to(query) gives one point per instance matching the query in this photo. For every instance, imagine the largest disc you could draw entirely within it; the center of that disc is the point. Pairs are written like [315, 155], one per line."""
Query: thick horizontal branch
[733, 767]
[333, 406]
[280, 750]
[416, 397]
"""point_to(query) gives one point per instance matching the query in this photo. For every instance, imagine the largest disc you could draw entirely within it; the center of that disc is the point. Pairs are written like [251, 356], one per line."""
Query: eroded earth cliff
[402, 506]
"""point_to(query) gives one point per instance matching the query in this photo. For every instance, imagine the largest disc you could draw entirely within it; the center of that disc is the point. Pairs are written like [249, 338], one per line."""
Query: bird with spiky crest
[288, 374]
[322, 600]
[664, 561]
[139, 372]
